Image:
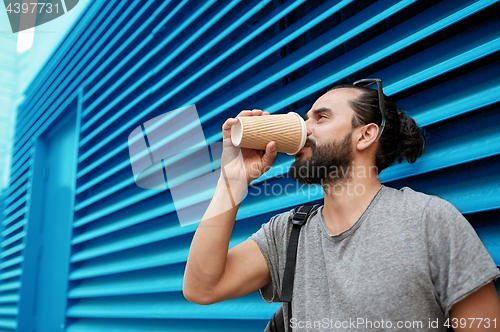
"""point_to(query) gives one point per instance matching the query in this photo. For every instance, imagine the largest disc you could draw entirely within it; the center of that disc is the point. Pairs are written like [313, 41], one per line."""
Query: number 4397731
[32, 7]
[471, 323]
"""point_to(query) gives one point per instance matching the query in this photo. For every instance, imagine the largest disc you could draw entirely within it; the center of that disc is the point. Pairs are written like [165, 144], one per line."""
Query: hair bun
[411, 140]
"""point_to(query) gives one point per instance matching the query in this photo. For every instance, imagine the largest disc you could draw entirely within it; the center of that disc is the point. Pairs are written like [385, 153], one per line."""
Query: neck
[346, 201]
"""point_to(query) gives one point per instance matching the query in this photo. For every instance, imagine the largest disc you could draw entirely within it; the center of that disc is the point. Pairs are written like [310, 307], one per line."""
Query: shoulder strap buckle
[299, 218]
[302, 213]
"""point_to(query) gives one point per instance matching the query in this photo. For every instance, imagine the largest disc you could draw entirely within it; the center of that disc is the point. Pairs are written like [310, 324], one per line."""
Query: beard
[328, 164]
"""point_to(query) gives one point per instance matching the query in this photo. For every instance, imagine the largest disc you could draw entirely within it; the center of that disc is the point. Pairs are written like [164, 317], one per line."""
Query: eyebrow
[318, 111]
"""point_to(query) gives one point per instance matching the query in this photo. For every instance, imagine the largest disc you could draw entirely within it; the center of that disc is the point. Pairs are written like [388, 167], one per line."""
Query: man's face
[327, 155]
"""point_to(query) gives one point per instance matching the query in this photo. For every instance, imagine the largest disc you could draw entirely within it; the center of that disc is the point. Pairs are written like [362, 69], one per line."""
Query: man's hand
[480, 311]
[254, 163]
[214, 273]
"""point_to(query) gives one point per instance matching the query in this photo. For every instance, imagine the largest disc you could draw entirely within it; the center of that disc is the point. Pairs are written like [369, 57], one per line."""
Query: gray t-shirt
[401, 266]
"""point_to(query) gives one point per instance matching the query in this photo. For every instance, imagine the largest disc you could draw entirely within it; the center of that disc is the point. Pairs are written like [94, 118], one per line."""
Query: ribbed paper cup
[254, 132]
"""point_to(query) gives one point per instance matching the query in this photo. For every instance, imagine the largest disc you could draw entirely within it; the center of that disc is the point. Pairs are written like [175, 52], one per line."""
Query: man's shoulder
[283, 221]
[407, 192]
[414, 198]
[283, 217]
[278, 223]
[425, 204]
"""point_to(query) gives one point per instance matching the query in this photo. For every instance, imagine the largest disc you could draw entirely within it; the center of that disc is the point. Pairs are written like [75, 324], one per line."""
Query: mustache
[311, 143]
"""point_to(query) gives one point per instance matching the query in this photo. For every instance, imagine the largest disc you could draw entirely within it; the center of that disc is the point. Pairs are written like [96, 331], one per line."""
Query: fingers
[269, 156]
[226, 127]
[251, 113]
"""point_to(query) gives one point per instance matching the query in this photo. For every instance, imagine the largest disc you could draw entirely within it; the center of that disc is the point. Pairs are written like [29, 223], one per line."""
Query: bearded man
[378, 257]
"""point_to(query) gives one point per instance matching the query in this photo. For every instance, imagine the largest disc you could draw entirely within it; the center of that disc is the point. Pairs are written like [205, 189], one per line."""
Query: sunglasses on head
[375, 83]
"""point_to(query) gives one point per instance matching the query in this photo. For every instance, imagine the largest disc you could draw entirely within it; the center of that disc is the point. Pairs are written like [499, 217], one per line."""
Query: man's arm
[480, 310]
[214, 273]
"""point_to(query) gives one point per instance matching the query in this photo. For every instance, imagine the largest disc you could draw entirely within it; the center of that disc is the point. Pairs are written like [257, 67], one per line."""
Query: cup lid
[304, 134]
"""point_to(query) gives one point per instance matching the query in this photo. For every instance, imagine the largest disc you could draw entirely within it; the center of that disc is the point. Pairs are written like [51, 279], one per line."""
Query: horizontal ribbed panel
[157, 325]
[133, 61]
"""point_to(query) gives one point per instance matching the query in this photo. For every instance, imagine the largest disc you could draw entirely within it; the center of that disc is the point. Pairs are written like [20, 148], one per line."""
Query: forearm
[208, 253]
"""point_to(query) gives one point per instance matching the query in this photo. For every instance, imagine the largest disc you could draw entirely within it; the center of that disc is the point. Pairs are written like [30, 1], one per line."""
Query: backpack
[299, 218]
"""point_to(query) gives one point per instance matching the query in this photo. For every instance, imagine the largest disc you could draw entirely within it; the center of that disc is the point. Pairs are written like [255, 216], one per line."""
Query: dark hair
[401, 138]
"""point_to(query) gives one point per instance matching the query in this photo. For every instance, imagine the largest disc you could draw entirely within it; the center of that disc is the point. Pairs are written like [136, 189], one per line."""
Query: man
[372, 258]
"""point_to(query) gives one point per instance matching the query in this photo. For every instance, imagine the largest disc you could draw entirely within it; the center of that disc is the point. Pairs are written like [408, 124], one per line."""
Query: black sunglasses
[368, 82]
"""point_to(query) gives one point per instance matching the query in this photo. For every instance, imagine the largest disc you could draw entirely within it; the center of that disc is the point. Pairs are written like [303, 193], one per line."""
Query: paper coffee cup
[254, 132]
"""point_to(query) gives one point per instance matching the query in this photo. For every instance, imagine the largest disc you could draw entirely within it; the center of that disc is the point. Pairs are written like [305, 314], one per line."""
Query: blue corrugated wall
[126, 62]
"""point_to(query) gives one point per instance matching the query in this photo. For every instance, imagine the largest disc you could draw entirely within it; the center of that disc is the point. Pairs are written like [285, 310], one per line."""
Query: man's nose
[309, 128]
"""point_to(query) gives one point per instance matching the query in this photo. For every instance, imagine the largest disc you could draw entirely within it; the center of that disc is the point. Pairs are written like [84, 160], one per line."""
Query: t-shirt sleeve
[459, 262]
[270, 239]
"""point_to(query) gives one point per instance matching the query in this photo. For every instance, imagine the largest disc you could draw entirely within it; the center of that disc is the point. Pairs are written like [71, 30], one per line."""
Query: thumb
[269, 156]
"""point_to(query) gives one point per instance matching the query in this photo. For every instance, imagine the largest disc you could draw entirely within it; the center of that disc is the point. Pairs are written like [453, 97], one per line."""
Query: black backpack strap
[299, 218]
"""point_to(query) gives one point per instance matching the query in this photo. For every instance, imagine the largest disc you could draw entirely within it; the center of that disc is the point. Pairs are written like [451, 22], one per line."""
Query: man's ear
[368, 135]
